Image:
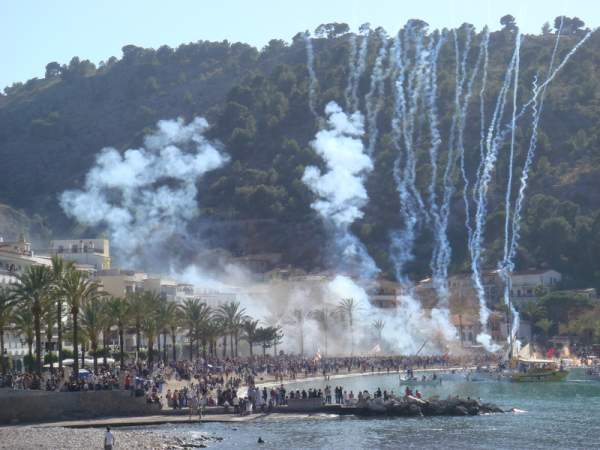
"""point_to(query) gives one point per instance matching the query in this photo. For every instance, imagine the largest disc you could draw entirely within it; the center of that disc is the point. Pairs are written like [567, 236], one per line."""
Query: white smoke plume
[340, 190]
[146, 195]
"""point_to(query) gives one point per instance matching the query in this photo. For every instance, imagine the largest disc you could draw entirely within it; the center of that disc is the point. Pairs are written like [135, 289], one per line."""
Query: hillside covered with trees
[257, 104]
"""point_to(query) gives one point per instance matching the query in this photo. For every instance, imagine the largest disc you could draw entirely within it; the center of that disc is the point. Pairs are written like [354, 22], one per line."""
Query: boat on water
[593, 372]
[433, 380]
[538, 370]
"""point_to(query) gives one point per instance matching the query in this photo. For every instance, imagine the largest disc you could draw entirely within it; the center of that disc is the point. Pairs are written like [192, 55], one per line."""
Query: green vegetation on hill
[257, 101]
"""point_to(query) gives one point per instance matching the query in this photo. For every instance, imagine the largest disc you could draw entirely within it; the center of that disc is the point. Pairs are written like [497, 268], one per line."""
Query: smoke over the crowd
[146, 195]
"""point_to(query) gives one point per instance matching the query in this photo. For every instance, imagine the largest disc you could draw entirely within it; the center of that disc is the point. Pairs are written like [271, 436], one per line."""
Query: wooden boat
[538, 370]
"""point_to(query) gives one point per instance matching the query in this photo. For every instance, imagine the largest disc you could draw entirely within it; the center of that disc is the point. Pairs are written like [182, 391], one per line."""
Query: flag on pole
[376, 349]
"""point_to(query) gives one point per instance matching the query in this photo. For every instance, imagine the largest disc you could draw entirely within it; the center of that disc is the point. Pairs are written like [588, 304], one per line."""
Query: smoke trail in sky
[146, 195]
[312, 77]
[374, 99]
[548, 80]
[516, 220]
[504, 268]
[482, 90]
[351, 70]
[404, 165]
[436, 139]
[442, 251]
[489, 163]
[360, 66]
[481, 59]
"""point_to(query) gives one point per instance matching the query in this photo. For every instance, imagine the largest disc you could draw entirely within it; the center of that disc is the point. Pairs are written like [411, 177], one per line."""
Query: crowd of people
[232, 382]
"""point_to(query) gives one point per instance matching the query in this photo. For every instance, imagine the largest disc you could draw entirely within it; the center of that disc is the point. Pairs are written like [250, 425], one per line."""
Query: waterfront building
[15, 257]
[91, 252]
[120, 282]
[529, 285]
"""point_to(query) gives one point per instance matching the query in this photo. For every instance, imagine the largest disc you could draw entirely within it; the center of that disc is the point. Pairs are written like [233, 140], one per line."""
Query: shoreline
[168, 417]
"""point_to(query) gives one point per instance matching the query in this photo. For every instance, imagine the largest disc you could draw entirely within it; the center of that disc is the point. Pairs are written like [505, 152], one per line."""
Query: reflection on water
[551, 415]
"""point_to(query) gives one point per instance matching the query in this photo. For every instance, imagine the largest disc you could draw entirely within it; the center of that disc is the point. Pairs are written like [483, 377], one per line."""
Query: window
[74, 248]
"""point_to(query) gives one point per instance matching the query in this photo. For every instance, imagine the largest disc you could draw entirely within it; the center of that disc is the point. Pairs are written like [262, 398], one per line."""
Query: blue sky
[34, 33]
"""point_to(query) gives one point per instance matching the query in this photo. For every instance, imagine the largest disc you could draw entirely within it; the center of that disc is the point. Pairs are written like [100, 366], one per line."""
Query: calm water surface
[556, 415]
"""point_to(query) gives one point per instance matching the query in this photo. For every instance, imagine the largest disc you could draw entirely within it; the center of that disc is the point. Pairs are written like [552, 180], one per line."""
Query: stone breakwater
[400, 407]
[417, 407]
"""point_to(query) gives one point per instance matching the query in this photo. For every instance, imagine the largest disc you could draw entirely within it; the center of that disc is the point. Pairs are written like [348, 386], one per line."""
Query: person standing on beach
[109, 439]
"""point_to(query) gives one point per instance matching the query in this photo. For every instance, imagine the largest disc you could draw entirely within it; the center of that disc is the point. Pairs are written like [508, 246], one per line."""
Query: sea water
[562, 415]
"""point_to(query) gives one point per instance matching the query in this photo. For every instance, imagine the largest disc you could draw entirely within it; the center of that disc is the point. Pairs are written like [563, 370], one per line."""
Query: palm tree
[378, 326]
[6, 309]
[77, 289]
[48, 316]
[297, 319]
[347, 307]
[322, 316]
[168, 313]
[137, 310]
[92, 319]
[117, 312]
[233, 316]
[149, 323]
[173, 324]
[32, 291]
[24, 321]
[213, 330]
[276, 337]
[195, 316]
[249, 333]
[59, 268]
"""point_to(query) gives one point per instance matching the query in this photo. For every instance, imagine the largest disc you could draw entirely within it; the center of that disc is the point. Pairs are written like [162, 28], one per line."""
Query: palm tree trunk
[2, 350]
[231, 345]
[121, 348]
[150, 351]
[204, 348]
[165, 346]
[138, 337]
[251, 344]
[59, 333]
[224, 346]
[48, 344]
[30, 353]
[158, 346]
[75, 342]
[38, 341]
[173, 341]
[105, 347]
[83, 356]
[191, 348]
[237, 339]
[95, 353]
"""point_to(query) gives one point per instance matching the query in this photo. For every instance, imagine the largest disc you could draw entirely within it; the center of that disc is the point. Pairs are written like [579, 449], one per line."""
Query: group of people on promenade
[223, 382]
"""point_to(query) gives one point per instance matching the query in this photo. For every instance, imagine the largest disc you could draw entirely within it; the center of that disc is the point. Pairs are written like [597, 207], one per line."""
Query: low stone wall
[22, 406]
[304, 404]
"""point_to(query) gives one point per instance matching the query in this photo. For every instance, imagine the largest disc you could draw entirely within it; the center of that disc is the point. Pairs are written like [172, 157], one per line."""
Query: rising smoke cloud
[146, 195]
[340, 189]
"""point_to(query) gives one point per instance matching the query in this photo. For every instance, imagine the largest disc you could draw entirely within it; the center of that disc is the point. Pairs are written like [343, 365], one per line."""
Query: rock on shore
[417, 407]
